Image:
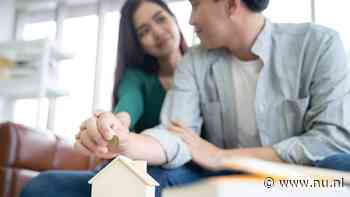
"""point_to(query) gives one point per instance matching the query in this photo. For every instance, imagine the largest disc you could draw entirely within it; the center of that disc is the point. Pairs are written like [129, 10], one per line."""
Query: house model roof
[130, 165]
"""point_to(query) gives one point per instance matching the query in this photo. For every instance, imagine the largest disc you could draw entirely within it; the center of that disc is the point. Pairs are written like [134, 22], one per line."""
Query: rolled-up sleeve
[181, 104]
[328, 117]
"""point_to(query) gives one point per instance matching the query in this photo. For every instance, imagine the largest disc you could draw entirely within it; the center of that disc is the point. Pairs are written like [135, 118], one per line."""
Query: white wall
[7, 17]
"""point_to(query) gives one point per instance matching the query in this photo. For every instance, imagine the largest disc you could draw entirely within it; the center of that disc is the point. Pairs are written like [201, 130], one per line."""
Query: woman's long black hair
[130, 51]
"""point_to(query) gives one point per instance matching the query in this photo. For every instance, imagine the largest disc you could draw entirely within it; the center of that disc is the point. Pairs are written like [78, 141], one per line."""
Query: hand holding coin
[108, 120]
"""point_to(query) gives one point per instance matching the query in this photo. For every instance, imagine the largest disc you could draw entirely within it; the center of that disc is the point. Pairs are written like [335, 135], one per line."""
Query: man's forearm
[144, 147]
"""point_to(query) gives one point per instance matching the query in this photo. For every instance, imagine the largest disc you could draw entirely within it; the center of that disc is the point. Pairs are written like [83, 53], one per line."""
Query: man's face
[210, 20]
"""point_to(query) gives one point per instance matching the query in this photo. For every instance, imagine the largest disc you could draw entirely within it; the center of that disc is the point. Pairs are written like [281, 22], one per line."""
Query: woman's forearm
[144, 147]
[265, 153]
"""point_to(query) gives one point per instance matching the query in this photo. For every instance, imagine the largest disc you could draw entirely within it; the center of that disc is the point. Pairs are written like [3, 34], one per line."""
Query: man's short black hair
[256, 5]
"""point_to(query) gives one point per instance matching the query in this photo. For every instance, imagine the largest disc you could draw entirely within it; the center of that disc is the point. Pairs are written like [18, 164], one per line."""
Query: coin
[114, 142]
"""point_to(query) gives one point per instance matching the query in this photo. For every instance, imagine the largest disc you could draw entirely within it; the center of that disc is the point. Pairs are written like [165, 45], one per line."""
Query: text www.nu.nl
[304, 183]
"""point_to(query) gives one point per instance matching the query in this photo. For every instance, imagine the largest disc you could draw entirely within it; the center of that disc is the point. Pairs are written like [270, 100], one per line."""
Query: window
[109, 57]
[286, 11]
[338, 20]
[35, 31]
[26, 109]
[182, 11]
[77, 75]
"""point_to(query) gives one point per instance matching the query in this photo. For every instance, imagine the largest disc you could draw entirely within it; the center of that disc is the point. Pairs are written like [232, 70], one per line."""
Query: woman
[150, 45]
[148, 52]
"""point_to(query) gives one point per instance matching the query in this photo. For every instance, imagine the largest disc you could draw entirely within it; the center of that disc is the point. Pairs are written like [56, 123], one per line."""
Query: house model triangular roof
[133, 166]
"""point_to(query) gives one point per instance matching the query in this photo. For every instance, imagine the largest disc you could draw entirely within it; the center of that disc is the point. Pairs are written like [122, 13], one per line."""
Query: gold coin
[114, 142]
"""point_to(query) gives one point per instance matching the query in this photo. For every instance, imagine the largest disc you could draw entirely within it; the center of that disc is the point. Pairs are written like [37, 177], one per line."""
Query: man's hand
[203, 153]
[211, 157]
[106, 119]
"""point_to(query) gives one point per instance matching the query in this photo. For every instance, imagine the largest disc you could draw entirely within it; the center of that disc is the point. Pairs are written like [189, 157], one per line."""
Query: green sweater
[141, 95]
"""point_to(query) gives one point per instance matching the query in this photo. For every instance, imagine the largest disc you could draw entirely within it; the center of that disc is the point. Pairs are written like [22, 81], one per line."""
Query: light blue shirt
[302, 96]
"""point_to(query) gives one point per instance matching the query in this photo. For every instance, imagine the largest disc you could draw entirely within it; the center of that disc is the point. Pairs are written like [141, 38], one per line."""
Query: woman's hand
[89, 140]
[204, 153]
[96, 131]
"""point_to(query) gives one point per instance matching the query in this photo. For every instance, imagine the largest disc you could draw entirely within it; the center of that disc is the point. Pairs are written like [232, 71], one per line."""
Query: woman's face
[156, 29]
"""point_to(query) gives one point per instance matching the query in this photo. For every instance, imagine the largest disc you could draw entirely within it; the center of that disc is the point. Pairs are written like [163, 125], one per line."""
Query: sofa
[25, 152]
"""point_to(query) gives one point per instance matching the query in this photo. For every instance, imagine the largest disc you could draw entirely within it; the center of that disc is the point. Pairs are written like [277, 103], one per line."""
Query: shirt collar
[263, 43]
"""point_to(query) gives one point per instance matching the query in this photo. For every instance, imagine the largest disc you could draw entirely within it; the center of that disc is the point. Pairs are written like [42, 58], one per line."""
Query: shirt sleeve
[181, 104]
[328, 117]
[131, 98]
